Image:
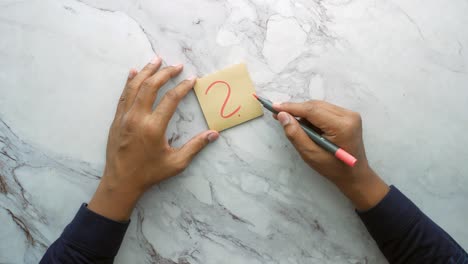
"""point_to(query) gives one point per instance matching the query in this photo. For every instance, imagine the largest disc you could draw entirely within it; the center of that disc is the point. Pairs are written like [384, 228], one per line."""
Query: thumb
[196, 144]
[295, 133]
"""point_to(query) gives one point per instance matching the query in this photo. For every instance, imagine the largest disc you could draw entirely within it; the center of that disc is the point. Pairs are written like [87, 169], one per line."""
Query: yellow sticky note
[226, 98]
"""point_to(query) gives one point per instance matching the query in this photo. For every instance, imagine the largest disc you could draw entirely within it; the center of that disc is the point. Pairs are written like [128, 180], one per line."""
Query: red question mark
[221, 113]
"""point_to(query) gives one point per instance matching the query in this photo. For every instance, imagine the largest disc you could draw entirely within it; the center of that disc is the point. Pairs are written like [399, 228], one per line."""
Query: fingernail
[133, 72]
[276, 105]
[212, 136]
[178, 66]
[156, 60]
[283, 118]
[191, 78]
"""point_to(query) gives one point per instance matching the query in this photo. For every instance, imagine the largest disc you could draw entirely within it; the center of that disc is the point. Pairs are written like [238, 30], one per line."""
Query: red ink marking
[221, 113]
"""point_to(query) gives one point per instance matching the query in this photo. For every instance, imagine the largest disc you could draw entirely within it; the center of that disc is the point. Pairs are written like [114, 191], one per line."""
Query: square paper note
[226, 98]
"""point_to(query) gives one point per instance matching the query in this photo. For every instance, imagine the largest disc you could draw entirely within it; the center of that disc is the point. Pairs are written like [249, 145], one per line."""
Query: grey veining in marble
[248, 198]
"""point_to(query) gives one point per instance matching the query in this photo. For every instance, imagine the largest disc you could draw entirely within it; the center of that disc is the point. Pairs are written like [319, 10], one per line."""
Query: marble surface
[248, 198]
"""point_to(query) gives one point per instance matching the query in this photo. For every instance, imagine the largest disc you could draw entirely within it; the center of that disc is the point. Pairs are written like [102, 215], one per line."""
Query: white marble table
[248, 198]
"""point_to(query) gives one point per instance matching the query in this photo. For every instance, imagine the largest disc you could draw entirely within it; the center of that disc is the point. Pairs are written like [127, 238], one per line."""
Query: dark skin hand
[138, 153]
[344, 128]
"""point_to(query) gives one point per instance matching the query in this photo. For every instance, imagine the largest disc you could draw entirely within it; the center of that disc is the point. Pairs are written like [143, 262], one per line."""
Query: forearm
[113, 201]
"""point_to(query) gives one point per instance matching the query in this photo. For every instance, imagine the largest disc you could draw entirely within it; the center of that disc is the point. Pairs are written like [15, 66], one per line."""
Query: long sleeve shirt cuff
[94, 233]
[406, 235]
[397, 211]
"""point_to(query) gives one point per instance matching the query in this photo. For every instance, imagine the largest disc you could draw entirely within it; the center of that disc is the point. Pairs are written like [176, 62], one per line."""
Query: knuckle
[307, 153]
[315, 104]
[123, 95]
[356, 116]
[291, 132]
[162, 77]
[180, 165]
[132, 86]
[150, 129]
[158, 83]
[355, 120]
[186, 83]
[312, 108]
[200, 144]
[148, 67]
[349, 124]
[146, 84]
[310, 104]
[138, 100]
[130, 121]
[172, 95]
[122, 98]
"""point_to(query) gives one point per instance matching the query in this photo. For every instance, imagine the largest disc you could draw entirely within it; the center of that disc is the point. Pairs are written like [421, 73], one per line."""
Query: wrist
[366, 190]
[113, 202]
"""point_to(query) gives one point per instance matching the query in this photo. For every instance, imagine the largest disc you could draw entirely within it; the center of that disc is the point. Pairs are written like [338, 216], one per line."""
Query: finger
[314, 112]
[304, 121]
[132, 73]
[134, 85]
[296, 134]
[275, 116]
[196, 144]
[148, 92]
[168, 105]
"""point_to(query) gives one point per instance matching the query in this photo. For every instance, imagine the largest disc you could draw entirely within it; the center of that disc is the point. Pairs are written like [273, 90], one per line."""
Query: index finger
[168, 105]
[149, 89]
[133, 86]
[321, 114]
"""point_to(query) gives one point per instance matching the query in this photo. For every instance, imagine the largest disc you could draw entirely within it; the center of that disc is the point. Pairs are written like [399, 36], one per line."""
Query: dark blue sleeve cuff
[95, 233]
[396, 210]
[406, 235]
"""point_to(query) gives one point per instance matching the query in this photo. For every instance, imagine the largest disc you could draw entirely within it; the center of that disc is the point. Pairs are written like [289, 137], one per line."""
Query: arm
[402, 232]
[138, 156]
[407, 235]
[89, 238]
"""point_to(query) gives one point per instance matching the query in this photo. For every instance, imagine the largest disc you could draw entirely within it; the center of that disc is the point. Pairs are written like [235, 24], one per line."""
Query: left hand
[138, 153]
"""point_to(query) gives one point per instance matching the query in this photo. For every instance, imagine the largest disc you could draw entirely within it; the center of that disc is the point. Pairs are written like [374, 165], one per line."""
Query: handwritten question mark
[221, 113]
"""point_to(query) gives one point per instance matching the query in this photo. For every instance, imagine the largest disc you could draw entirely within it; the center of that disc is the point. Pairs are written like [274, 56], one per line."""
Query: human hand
[344, 128]
[138, 153]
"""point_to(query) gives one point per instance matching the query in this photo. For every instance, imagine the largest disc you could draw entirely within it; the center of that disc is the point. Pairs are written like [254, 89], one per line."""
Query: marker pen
[338, 152]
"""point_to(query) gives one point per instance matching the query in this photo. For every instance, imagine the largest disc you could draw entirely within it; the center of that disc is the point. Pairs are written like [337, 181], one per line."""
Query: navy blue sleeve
[404, 234]
[89, 238]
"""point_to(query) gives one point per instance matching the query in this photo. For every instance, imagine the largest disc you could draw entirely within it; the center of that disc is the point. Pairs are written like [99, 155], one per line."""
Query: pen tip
[254, 95]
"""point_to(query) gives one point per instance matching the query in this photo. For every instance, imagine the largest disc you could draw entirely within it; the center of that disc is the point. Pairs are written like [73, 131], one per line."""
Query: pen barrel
[270, 108]
[321, 141]
[338, 152]
[267, 104]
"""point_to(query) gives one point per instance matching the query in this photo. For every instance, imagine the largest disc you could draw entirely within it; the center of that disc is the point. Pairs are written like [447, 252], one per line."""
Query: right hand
[344, 128]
